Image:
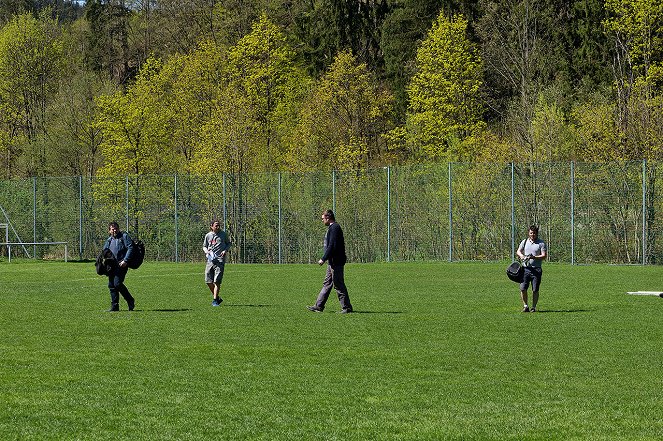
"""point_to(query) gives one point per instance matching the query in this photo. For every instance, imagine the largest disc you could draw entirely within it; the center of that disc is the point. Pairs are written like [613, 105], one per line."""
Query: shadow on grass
[245, 306]
[543, 311]
[166, 310]
[378, 312]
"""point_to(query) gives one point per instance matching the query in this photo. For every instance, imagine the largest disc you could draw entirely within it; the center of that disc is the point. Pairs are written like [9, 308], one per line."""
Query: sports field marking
[646, 293]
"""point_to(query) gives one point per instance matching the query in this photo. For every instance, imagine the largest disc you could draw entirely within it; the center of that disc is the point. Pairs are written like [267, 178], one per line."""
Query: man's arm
[520, 250]
[130, 249]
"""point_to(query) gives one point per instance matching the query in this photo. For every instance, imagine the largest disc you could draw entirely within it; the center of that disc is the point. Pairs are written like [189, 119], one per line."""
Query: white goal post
[23, 244]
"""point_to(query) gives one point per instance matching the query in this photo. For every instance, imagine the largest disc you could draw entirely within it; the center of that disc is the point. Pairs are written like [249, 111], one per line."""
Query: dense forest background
[122, 87]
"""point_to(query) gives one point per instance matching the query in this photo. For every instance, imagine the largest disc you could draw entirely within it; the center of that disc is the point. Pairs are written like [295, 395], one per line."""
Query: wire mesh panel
[200, 201]
[361, 210]
[543, 198]
[106, 202]
[481, 211]
[57, 203]
[654, 212]
[252, 202]
[420, 213]
[304, 196]
[608, 212]
[17, 203]
[152, 214]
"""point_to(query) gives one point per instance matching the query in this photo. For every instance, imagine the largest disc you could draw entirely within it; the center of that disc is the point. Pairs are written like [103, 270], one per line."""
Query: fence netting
[587, 213]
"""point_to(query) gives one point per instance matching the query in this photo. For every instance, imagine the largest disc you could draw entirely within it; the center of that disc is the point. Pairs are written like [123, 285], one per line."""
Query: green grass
[435, 351]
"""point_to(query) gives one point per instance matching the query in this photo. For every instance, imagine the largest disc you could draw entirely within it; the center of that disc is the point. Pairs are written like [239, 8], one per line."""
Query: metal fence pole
[388, 213]
[34, 217]
[126, 194]
[80, 218]
[644, 211]
[334, 191]
[280, 217]
[225, 209]
[573, 221]
[177, 259]
[451, 234]
[513, 212]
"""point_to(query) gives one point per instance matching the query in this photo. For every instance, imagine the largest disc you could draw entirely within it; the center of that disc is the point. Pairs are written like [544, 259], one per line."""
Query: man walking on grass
[533, 252]
[334, 255]
[215, 246]
[120, 244]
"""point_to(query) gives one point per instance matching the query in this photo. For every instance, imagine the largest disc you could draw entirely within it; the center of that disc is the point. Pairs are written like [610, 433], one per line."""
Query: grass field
[435, 351]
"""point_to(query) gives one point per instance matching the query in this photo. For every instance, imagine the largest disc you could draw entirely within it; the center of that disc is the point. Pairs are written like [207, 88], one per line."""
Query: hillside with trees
[132, 87]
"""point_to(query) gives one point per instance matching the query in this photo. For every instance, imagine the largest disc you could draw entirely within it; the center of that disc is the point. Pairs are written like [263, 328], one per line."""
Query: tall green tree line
[197, 86]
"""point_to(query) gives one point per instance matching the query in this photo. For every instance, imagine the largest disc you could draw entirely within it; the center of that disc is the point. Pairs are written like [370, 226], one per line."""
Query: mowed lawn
[434, 351]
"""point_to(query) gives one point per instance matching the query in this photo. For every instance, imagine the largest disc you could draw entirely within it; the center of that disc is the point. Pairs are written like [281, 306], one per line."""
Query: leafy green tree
[134, 128]
[108, 49]
[31, 60]
[445, 105]
[262, 71]
[344, 119]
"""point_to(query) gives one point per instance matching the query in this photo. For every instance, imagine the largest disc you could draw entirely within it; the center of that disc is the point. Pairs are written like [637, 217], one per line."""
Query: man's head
[328, 217]
[533, 232]
[114, 229]
[215, 226]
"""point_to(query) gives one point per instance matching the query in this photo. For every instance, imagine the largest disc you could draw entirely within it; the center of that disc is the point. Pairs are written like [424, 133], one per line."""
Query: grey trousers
[334, 278]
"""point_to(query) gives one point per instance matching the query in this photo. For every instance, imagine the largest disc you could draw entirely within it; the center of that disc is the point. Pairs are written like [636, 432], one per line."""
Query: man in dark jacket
[334, 255]
[121, 245]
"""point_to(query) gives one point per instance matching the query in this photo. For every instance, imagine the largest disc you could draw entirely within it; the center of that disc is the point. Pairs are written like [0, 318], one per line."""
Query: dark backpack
[138, 254]
[515, 272]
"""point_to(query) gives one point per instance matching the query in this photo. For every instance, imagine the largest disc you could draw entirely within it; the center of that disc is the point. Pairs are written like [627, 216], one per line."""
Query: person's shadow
[168, 310]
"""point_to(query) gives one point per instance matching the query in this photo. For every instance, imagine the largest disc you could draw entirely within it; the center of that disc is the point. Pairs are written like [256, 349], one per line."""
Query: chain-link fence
[608, 212]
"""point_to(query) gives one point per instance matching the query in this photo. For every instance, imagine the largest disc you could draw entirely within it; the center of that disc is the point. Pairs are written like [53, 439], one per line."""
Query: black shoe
[114, 309]
[131, 305]
[314, 308]
[345, 311]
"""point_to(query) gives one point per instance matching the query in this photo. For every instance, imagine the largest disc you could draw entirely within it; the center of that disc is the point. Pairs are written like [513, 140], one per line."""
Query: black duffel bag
[515, 272]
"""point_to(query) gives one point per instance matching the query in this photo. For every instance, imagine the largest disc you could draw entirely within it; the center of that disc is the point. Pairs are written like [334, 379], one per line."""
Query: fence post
[451, 235]
[644, 211]
[513, 213]
[225, 209]
[126, 194]
[80, 218]
[177, 257]
[334, 191]
[34, 216]
[388, 212]
[573, 220]
[279, 218]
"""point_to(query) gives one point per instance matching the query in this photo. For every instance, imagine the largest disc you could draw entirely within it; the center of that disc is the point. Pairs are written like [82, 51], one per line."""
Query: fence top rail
[34, 243]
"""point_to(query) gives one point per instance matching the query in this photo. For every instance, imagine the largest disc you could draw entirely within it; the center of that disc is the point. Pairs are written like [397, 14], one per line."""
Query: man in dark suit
[335, 256]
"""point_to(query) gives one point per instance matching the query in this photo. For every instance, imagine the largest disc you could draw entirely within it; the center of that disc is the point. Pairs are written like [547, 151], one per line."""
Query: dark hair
[329, 214]
[114, 224]
[213, 222]
[534, 228]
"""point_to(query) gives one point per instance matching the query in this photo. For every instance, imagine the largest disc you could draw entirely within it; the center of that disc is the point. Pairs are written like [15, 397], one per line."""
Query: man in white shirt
[533, 252]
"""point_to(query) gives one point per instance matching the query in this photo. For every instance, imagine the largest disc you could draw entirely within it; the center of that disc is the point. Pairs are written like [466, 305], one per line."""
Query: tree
[444, 93]
[261, 70]
[134, 128]
[31, 61]
[109, 39]
[343, 120]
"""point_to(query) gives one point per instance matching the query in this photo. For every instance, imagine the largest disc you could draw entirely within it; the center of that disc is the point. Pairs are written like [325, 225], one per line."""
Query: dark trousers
[117, 287]
[334, 279]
